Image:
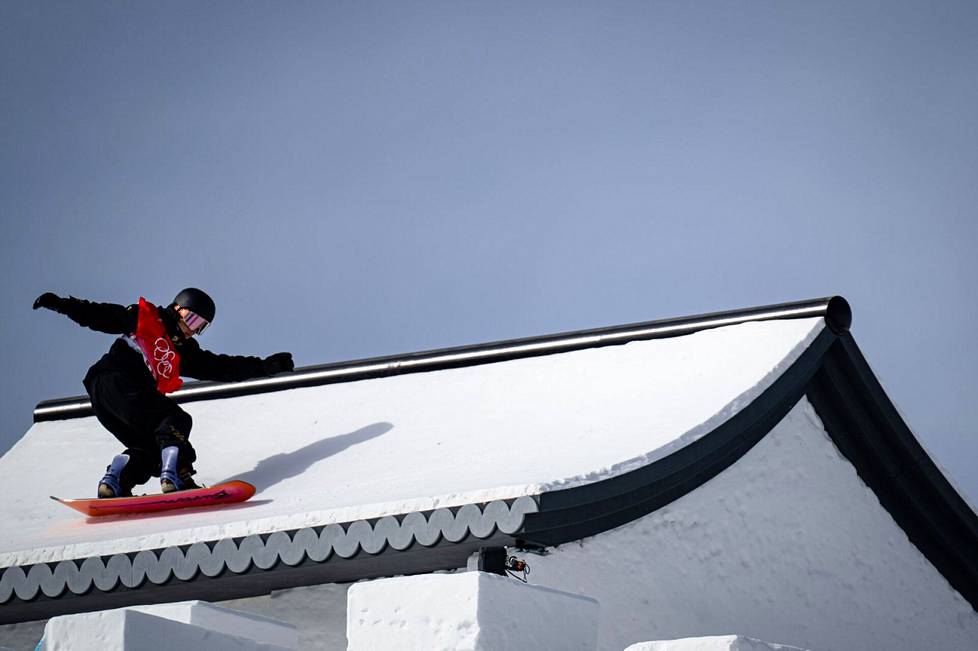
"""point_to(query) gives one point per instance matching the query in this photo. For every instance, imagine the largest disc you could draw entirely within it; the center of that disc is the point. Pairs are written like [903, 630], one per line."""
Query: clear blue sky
[355, 179]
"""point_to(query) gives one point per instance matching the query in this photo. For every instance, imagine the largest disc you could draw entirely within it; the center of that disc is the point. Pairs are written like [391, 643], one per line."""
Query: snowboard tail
[229, 492]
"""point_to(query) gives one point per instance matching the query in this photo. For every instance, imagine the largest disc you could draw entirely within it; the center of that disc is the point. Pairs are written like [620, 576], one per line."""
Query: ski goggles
[195, 322]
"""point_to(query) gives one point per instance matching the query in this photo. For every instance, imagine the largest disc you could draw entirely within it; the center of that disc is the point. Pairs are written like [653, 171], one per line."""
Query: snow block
[715, 643]
[473, 611]
[225, 620]
[186, 625]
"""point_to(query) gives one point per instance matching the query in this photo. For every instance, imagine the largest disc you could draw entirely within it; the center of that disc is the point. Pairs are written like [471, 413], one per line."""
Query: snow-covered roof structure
[408, 464]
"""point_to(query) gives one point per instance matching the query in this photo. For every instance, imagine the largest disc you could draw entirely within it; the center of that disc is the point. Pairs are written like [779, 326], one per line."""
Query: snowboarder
[128, 384]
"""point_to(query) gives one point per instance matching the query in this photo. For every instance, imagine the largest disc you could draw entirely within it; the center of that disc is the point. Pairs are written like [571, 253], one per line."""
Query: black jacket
[195, 362]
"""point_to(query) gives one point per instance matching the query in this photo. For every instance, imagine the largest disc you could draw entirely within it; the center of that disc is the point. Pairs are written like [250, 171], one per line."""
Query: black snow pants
[144, 420]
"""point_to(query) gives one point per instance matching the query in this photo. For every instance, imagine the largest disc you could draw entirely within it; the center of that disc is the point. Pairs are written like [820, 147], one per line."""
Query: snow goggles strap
[196, 322]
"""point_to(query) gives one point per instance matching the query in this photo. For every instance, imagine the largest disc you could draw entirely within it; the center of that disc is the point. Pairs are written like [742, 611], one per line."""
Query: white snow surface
[366, 449]
[186, 625]
[226, 620]
[469, 610]
[787, 544]
[714, 643]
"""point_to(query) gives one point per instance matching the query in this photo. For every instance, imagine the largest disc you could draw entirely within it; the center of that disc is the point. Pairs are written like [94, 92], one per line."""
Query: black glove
[277, 363]
[49, 301]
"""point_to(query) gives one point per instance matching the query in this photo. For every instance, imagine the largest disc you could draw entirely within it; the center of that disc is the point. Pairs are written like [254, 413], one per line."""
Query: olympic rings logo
[163, 355]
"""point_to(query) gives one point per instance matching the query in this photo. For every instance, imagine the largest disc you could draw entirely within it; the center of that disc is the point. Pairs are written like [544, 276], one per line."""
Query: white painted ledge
[471, 611]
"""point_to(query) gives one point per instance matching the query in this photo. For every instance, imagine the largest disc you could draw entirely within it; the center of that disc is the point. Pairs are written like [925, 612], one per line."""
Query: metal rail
[834, 309]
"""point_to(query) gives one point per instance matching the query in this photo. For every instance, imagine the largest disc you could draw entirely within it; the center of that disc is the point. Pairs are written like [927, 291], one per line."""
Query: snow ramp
[410, 463]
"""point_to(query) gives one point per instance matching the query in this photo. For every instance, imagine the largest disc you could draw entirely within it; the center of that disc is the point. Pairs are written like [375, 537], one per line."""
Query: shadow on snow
[279, 467]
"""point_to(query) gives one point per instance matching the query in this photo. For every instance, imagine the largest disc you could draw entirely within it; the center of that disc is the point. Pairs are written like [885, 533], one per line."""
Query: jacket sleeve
[195, 362]
[102, 317]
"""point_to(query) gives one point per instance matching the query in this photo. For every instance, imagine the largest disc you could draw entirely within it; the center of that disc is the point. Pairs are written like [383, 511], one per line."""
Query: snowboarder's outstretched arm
[195, 362]
[202, 364]
[104, 317]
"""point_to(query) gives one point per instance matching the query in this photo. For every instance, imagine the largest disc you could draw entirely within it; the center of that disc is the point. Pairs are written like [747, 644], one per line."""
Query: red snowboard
[226, 493]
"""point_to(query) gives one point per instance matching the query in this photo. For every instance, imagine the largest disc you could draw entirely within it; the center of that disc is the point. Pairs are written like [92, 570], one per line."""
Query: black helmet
[197, 302]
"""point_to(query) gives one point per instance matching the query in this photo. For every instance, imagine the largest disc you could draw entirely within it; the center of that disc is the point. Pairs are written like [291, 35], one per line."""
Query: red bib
[159, 352]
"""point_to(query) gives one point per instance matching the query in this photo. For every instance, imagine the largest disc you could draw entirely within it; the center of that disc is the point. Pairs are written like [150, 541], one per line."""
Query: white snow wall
[787, 544]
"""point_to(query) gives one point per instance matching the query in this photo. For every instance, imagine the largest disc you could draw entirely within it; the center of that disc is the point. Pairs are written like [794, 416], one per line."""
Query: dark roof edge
[871, 434]
[834, 309]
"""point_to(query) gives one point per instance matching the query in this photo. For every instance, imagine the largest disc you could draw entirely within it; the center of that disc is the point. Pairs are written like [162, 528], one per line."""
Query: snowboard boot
[111, 484]
[173, 477]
